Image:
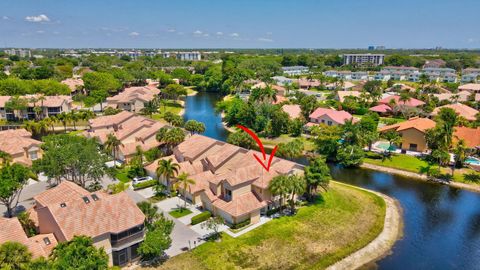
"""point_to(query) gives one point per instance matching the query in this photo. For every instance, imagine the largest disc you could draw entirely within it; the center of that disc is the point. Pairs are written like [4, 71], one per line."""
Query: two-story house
[329, 117]
[20, 146]
[114, 222]
[133, 99]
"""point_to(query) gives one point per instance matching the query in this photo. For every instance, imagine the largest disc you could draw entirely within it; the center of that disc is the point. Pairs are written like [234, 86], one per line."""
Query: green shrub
[145, 184]
[240, 224]
[201, 217]
[272, 211]
[472, 177]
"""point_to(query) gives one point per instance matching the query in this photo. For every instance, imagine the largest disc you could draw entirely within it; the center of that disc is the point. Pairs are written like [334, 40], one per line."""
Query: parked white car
[138, 180]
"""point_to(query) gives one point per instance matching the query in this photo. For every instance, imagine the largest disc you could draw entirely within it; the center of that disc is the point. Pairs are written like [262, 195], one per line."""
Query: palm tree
[279, 187]
[74, 117]
[170, 137]
[167, 169]
[297, 185]
[392, 137]
[112, 145]
[184, 183]
[63, 118]
[50, 122]
[149, 108]
[41, 99]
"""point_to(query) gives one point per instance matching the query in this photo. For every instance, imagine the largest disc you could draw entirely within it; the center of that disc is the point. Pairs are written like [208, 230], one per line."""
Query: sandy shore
[382, 244]
[421, 177]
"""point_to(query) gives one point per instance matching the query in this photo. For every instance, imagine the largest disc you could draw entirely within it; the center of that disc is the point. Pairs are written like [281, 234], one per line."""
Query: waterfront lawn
[180, 212]
[171, 106]
[308, 145]
[191, 90]
[401, 162]
[343, 221]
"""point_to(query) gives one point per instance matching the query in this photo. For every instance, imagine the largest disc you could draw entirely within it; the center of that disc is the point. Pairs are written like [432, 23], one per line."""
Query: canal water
[441, 224]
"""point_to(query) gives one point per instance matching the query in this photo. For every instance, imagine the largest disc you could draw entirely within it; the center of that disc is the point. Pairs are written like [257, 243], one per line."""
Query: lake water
[441, 224]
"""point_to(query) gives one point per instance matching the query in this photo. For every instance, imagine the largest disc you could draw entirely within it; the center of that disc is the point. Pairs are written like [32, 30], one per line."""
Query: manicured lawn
[178, 213]
[75, 132]
[122, 175]
[191, 91]
[172, 107]
[401, 162]
[345, 220]
[284, 138]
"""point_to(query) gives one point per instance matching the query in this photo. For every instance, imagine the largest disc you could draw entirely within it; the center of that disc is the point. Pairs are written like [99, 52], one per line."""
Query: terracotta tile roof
[240, 205]
[73, 83]
[201, 181]
[16, 142]
[382, 108]
[343, 94]
[421, 124]
[294, 111]
[109, 214]
[3, 100]
[471, 136]
[280, 99]
[473, 87]
[12, 231]
[461, 109]
[412, 102]
[308, 83]
[462, 96]
[130, 94]
[337, 116]
[195, 145]
[110, 120]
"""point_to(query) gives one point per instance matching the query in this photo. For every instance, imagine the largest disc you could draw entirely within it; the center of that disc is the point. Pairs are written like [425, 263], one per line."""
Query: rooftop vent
[46, 241]
[95, 197]
[63, 205]
[85, 199]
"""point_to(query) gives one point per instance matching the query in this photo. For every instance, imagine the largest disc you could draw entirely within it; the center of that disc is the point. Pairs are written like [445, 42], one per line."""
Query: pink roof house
[412, 102]
[294, 111]
[381, 109]
[329, 117]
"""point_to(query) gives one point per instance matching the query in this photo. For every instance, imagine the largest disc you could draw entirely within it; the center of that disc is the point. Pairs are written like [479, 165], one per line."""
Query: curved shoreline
[419, 177]
[382, 244]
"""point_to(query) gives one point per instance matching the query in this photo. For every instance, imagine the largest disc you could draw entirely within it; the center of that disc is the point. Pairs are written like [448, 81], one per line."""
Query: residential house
[470, 75]
[282, 80]
[229, 182]
[471, 136]
[295, 70]
[114, 222]
[359, 75]
[307, 84]
[341, 95]
[40, 245]
[49, 106]
[413, 133]
[395, 99]
[462, 96]
[293, 110]
[400, 69]
[131, 129]
[20, 146]
[450, 77]
[329, 117]
[462, 110]
[381, 109]
[434, 63]
[470, 87]
[382, 76]
[189, 56]
[133, 99]
[345, 86]
[414, 77]
[75, 84]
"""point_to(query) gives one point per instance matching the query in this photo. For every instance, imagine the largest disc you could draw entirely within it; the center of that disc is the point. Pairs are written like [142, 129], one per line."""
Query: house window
[33, 155]
[413, 147]
[228, 194]
[329, 123]
[323, 121]
[120, 257]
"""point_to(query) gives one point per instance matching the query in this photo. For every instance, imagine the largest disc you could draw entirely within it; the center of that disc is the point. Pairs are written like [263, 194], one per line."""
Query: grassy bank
[345, 220]
[308, 145]
[169, 106]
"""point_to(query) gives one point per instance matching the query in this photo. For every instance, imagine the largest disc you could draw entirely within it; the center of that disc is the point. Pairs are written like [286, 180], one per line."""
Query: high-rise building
[363, 58]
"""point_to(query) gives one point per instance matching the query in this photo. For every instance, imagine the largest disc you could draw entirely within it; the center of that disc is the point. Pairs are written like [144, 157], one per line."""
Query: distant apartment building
[400, 69]
[359, 76]
[18, 143]
[470, 75]
[19, 52]
[363, 59]
[434, 63]
[131, 129]
[49, 106]
[133, 99]
[295, 70]
[189, 56]
[114, 222]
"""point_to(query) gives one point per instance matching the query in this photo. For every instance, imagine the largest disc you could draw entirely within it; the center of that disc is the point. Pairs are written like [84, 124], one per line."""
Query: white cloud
[5, 18]
[206, 35]
[134, 34]
[265, 39]
[235, 35]
[37, 19]
[40, 32]
[471, 40]
[219, 33]
[56, 33]
[171, 30]
[198, 32]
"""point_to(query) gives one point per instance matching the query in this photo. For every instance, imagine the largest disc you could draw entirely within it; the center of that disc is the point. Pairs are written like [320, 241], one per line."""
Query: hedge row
[145, 184]
[240, 224]
[201, 217]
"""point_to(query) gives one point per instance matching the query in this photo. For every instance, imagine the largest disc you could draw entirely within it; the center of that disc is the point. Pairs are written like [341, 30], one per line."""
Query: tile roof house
[381, 109]
[341, 95]
[40, 245]
[133, 99]
[20, 146]
[131, 129]
[461, 96]
[307, 84]
[329, 117]
[50, 105]
[228, 180]
[413, 133]
[75, 84]
[470, 87]
[412, 102]
[293, 110]
[462, 110]
[471, 136]
[114, 222]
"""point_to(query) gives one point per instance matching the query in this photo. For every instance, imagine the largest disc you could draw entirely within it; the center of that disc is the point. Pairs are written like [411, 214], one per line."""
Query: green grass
[401, 162]
[308, 145]
[343, 221]
[122, 175]
[75, 132]
[172, 107]
[181, 212]
[191, 91]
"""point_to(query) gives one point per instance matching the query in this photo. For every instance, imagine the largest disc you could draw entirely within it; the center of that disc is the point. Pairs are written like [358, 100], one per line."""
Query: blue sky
[240, 23]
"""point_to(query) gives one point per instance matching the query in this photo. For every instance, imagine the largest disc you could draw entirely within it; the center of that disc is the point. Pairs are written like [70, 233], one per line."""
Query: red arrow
[265, 164]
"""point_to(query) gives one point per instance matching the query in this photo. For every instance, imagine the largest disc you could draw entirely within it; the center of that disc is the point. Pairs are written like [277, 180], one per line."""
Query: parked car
[138, 180]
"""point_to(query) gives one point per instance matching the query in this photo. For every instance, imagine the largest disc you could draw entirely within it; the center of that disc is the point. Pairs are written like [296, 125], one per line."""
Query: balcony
[127, 238]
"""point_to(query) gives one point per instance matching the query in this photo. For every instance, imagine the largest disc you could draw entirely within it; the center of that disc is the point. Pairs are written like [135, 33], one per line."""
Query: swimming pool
[472, 160]
[385, 146]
